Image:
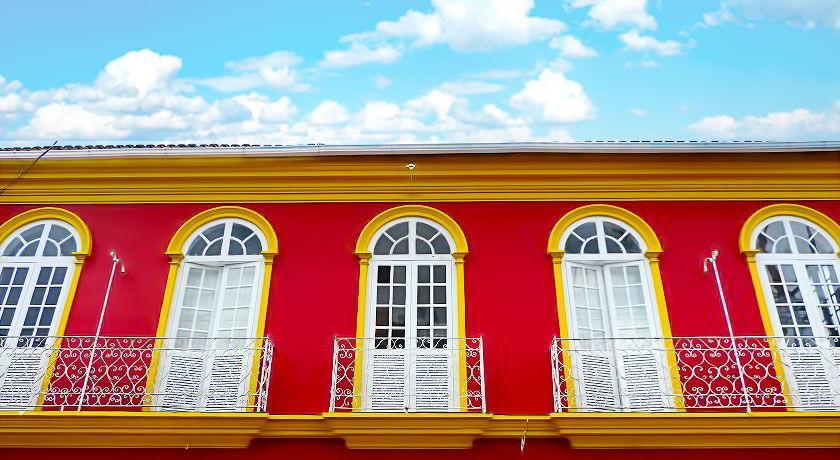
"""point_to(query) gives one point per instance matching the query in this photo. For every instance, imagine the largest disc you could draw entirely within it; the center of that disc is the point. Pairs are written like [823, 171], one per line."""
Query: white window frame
[799, 263]
[602, 262]
[412, 261]
[34, 265]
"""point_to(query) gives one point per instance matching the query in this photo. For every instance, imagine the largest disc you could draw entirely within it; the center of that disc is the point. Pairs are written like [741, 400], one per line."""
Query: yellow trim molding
[652, 252]
[9, 227]
[462, 177]
[745, 243]
[175, 251]
[363, 251]
[53, 429]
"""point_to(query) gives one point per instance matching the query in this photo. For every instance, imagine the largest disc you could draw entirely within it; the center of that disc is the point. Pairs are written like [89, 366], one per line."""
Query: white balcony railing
[408, 375]
[696, 374]
[135, 373]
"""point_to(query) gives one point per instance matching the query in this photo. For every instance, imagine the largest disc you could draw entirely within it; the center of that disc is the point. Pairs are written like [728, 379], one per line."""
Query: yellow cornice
[47, 429]
[466, 177]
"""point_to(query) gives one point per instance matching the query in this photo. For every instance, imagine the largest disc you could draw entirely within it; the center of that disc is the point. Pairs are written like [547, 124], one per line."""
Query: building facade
[645, 299]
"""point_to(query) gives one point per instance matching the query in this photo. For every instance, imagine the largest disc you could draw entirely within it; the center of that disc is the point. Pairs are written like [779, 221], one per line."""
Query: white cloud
[360, 53]
[60, 121]
[571, 47]
[161, 108]
[137, 73]
[796, 13]
[7, 86]
[552, 97]
[275, 70]
[463, 25]
[638, 112]
[381, 82]
[470, 87]
[633, 41]
[795, 124]
[611, 14]
[328, 113]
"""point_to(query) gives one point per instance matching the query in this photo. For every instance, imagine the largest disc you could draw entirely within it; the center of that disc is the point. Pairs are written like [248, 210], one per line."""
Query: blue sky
[418, 71]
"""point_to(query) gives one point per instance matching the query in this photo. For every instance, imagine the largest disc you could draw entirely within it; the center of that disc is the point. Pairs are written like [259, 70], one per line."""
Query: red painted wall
[509, 284]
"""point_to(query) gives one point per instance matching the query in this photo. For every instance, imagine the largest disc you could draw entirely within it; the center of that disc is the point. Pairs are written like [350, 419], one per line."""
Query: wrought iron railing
[696, 374]
[408, 375]
[135, 373]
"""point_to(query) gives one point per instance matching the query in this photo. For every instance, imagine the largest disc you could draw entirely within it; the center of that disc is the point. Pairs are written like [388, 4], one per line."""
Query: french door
[618, 358]
[805, 299]
[206, 364]
[31, 296]
[410, 364]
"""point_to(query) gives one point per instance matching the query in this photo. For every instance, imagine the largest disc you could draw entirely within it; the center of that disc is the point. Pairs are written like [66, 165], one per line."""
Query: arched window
[41, 256]
[214, 320]
[413, 311]
[35, 275]
[796, 260]
[613, 319]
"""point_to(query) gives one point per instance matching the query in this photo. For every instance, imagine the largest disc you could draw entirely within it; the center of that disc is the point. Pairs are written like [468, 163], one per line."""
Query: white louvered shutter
[386, 380]
[640, 358]
[186, 356]
[21, 376]
[181, 380]
[593, 367]
[811, 379]
[433, 380]
[230, 364]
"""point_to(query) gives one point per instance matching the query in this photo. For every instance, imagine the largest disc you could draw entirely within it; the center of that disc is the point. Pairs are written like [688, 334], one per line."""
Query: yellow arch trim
[9, 227]
[175, 252]
[654, 249]
[827, 224]
[364, 254]
[176, 245]
[439, 217]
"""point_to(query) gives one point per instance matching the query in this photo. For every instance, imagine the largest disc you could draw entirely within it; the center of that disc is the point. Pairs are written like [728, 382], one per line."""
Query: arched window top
[791, 235]
[412, 236]
[42, 238]
[601, 235]
[226, 237]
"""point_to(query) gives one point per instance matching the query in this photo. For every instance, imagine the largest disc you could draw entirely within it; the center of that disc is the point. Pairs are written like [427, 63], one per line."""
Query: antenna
[26, 170]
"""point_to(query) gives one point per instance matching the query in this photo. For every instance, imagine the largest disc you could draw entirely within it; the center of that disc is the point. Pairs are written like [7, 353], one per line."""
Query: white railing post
[333, 376]
[713, 261]
[481, 373]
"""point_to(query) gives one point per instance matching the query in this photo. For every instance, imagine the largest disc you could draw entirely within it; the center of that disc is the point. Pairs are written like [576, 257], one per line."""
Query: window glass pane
[441, 245]
[235, 248]
[215, 249]
[30, 249]
[440, 294]
[613, 230]
[822, 244]
[425, 231]
[423, 295]
[573, 244]
[383, 274]
[585, 230]
[50, 249]
[764, 244]
[399, 317]
[401, 247]
[58, 233]
[197, 247]
[240, 231]
[423, 316]
[214, 232]
[783, 246]
[613, 247]
[440, 273]
[383, 246]
[423, 274]
[32, 233]
[422, 247]
[774, 230]
[591, 247]
[253, 246]
[13, 247]
[399, 295]
[68, 247]
[399, 274]
[631, 245]
[440, 316]
[398, 231]
[382, 318]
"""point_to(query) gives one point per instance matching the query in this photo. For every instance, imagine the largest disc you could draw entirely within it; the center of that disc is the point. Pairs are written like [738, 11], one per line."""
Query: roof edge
[191, 150]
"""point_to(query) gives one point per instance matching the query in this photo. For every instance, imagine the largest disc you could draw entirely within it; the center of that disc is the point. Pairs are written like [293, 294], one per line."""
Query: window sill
[45, 429]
